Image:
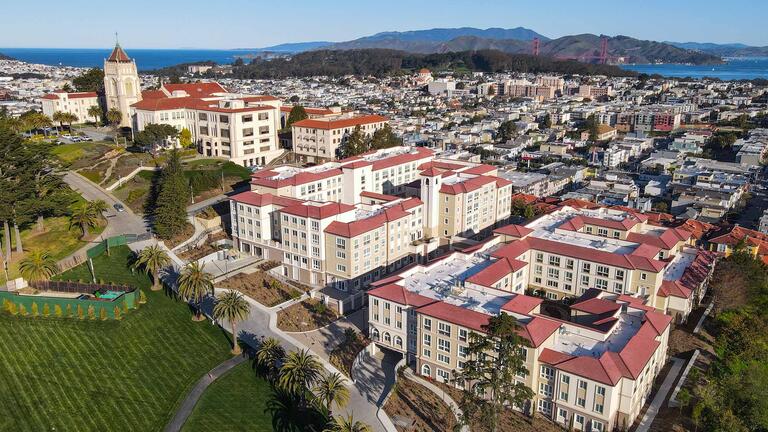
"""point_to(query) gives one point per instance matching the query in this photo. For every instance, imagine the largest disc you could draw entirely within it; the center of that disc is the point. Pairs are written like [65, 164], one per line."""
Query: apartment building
[317, 140]
[345, 224]
[77, 103]
[592, 366]
[241, 128]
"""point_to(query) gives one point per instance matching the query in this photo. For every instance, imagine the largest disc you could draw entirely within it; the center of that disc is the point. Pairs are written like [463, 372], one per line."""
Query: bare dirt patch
[305, 316]
[261, 287]
[414, 408]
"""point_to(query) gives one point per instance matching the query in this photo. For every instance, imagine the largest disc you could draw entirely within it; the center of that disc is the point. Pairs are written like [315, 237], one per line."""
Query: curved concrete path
[197, 391]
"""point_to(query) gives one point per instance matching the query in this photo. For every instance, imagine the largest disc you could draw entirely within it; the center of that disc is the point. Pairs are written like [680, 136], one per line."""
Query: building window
[547, 372]
[444, 345]
[602, 271]
[463, 335]
[425, 370]
[586, 267]
[444, 329]
[427, 324]
[427, 340]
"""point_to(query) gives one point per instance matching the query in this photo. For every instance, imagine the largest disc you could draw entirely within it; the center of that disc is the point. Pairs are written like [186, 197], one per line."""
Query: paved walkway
[661, 395]
[374, 376]
[197, 391]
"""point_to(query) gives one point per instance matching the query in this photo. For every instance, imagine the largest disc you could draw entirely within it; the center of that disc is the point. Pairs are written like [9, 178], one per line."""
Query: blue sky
[242, 23]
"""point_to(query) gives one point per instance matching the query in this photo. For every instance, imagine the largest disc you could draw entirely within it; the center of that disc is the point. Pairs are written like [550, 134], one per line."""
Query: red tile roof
[400, 295]
[496, 271]
[118, 55]
[339, 123]
[378, 196]
[468, 185]
[513, 230]
[259, 200]
[522, 304]
[674, 289]
[315, 211]
[457, 315]
[387, 215]
[596, 306]
[196, 90]
[667, 240]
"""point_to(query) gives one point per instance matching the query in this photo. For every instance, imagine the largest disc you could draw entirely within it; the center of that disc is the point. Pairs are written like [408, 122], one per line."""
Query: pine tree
[80, 314]
[173, 196]
[23, 310]
[116, 313]
[354, 144]
[13, 309]
[57, 311]
[69, 310]
[142, 298]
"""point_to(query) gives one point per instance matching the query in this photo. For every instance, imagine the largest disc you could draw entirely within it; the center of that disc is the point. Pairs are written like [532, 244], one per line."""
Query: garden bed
[510, 420]
[261, 287]
[205, 249]
[343, 356]
[305, 316]
[414, 408]
[180, 237]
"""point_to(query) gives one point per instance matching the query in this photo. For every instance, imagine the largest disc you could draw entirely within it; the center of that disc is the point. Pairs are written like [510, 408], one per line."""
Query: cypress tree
[57, 311]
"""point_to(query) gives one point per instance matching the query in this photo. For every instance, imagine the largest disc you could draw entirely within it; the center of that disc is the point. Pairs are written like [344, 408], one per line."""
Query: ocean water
[732, 69]
[146, 59]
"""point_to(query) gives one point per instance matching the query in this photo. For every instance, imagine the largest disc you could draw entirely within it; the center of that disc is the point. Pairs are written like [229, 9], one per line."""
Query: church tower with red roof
[122, 87]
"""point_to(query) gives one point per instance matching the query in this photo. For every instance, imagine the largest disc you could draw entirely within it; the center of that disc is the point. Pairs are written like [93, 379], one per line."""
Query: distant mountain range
[724, 50]
[584, 47]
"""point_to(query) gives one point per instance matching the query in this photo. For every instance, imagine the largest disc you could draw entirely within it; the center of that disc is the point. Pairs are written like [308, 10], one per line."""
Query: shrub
[69, 310]
[35, 311]
[57, 311]
[102, 314]
[13, 309]
[23, 310]
[91, 312]
[117, 312]
[295, 294]
[142, 297]
[46, 310]
[80, 313]
[7, 305]
[125, 306]
[319, 308]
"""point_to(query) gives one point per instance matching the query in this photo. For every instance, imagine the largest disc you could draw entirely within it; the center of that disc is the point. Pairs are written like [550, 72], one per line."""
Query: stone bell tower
[122, 86]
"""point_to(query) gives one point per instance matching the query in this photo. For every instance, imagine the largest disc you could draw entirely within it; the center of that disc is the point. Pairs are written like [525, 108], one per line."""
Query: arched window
[387, 338]
[398, 341]
[425, 370]
[375, 334]
[426, 181]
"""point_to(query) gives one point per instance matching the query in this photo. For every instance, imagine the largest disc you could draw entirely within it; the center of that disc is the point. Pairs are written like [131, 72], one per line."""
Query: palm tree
[98, 206]
[69, 118]
[269, 355]
[95, 112]
[347, 424]
[34, 120]
[58, 117]
[299, 373]
[232, 306]
[38, 265]
[194, 285]
[152, 259]
[330, 388]
[114, 117]
[84, 217]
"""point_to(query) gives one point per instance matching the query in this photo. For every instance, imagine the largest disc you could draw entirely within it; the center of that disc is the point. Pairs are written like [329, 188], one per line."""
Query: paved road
[196, 207]
[191, 400]
[125, 222]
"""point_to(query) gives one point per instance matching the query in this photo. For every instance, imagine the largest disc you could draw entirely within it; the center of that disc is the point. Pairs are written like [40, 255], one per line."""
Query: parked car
[119, 207]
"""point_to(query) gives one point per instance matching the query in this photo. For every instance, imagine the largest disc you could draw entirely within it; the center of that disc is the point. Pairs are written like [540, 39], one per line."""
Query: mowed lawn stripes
[72, 375]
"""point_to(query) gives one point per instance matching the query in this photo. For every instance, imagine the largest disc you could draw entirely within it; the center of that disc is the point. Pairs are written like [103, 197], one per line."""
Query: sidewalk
[193, 397]
[661, 395]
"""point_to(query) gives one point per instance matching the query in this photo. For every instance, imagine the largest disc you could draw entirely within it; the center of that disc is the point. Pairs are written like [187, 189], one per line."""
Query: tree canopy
[90, 81]
[297, 113]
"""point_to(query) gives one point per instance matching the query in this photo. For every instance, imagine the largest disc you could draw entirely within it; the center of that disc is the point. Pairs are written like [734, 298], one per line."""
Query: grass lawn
[112, 268]
[234, 402]
[58, 239]
[67, 375]
[82, 155]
